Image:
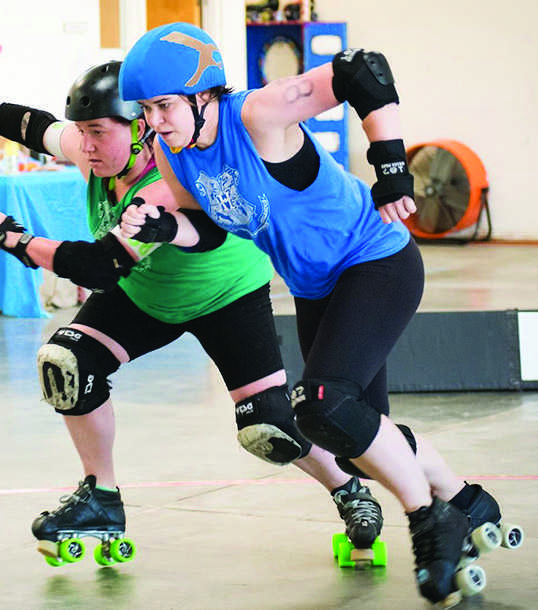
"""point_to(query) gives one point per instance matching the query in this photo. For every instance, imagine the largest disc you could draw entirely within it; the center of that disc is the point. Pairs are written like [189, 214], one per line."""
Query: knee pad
[73, 369]
[332, 414]
[409, 436]
[266, 427]
[348, 466]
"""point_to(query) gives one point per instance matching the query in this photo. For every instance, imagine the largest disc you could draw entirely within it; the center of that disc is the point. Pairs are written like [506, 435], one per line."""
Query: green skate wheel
[71, 550]
[344, 554]
[122, 550]
[338, 539]
[380, 553]
[55, 562]
[102, 557]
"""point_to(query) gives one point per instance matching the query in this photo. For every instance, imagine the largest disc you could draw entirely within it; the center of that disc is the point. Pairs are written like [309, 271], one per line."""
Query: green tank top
[176, 286]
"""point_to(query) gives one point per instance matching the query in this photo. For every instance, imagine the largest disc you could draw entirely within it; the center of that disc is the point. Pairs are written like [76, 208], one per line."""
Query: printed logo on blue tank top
[229, 208]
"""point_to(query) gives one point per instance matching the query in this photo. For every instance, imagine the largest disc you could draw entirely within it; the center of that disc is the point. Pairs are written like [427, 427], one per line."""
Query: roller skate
[360, 546]
[487, 531]
[439, 533]
[86, 512]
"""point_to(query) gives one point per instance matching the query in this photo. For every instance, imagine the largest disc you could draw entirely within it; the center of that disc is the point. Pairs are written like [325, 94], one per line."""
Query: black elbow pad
[97, 266]
[364, 79]
[211, 235]
[25, 125]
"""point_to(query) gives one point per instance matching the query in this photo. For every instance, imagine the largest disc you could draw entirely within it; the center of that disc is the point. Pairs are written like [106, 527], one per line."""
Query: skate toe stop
[48, 548]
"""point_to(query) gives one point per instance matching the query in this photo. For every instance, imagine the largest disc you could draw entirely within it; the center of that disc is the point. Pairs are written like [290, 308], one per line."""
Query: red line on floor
[234, 482]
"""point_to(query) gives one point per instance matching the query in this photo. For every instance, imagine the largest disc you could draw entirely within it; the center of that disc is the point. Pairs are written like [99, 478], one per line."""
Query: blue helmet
[177, 58]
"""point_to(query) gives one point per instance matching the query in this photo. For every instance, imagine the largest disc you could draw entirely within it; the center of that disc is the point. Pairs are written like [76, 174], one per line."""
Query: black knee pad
[348, 466]
[334, 416]
[73, 369]
[267, 429]
[409, 436]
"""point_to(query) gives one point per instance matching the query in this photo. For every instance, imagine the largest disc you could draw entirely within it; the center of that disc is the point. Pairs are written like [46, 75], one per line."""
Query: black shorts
[240, 338]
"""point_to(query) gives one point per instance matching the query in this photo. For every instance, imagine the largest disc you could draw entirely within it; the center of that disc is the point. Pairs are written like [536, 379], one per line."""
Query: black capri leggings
[350, 333]
[240, 337]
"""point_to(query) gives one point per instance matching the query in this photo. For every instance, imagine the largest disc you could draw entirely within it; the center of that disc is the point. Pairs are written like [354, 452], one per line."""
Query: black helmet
[95, 95]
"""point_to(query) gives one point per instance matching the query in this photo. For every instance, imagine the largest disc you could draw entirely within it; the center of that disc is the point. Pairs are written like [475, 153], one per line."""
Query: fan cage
[478, 182]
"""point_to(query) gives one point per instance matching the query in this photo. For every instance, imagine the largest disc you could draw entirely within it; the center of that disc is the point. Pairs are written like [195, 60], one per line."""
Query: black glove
[393, 178]
[156, 230]
[9, 224]
[19, 251]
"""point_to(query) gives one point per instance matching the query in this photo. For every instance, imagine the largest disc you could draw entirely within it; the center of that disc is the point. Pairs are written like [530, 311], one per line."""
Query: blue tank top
[311, 236]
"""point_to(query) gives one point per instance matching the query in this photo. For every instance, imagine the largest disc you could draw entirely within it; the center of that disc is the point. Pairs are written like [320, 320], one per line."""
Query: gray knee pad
[266, 427]
[73, 369]
[347, 466]
[332, 414]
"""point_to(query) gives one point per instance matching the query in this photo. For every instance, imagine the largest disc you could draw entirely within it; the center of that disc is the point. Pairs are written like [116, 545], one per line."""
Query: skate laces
[427, 544]
[359, 506]
[68, 501]
[424, 545]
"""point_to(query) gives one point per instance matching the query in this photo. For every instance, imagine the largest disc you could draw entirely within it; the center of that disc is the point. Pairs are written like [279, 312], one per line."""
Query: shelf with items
[271, 11]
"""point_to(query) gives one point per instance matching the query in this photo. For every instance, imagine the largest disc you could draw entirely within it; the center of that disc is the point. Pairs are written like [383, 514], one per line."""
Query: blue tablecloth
[49, 204]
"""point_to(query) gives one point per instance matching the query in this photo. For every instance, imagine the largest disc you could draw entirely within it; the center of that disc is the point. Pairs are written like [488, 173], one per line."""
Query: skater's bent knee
[73, 369]
[334, 416]
[266, 427]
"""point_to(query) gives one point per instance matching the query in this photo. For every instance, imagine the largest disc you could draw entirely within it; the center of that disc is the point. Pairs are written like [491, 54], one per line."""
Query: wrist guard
[363, 79]
[393, 178]
[19, 251]
[25, 125]
[156, 230]
[9, 224]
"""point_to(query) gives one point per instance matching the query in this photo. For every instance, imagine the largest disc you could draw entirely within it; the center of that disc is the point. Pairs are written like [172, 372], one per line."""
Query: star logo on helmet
[205, 49]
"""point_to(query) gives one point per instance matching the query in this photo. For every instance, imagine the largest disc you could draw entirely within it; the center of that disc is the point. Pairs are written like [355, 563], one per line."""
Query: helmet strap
[199, 120]
[137, 146]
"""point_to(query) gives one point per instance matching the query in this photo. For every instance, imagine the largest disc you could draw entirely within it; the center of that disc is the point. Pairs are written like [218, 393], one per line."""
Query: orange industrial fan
[451, 189]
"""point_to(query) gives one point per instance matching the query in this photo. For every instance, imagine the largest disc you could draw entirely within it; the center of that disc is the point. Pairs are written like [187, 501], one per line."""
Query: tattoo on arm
[298, 89]
[24, 124]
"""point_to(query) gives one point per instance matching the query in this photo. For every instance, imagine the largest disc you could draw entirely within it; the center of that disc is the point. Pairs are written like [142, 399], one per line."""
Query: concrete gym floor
[218, 529]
